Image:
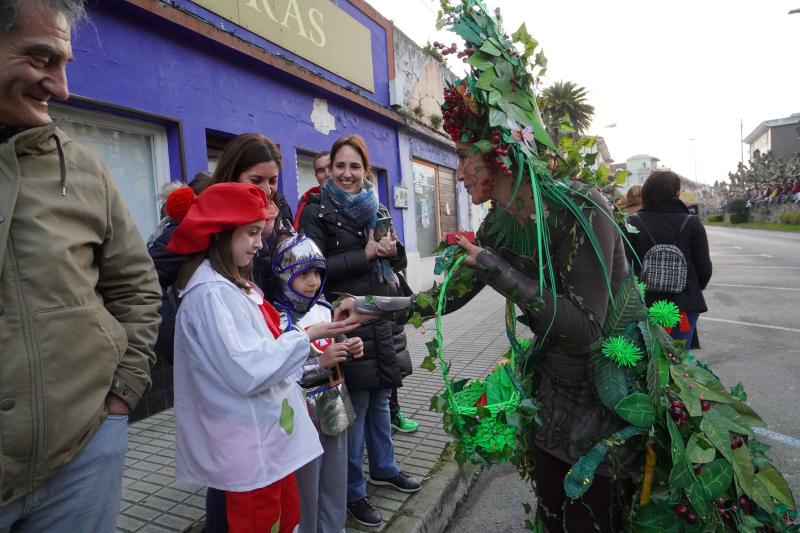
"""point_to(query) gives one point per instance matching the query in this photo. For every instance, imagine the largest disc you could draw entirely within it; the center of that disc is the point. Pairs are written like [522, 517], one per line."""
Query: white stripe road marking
[753, 287]
[754, 266]
[779, 437]
[751, 324]
[742, 255]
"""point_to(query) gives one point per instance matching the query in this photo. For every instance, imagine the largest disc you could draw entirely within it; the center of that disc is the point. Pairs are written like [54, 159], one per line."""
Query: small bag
[664, 266]
[329, 405]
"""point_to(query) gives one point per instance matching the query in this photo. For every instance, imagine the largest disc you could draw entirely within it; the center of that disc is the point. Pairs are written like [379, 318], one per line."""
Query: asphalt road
[750, 334]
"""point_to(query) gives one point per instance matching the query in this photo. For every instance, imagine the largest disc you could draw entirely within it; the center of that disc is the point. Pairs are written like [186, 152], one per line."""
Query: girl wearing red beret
[241, 421]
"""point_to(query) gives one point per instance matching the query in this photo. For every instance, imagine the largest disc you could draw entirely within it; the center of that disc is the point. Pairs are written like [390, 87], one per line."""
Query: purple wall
[131, 58]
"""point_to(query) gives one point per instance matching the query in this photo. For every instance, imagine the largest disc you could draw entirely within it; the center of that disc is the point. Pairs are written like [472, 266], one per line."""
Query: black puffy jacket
[386, 359]
[693, 242]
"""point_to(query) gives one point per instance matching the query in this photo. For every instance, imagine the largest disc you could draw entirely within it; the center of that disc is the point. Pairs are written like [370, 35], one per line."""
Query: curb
[430, 510]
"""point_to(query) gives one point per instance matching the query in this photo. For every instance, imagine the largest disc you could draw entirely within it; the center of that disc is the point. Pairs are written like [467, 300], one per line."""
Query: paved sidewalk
[474, 337]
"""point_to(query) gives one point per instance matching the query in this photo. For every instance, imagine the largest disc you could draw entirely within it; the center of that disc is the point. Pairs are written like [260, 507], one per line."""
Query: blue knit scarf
[361, 208]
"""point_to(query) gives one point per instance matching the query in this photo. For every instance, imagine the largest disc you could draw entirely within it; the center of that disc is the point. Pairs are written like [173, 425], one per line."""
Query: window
[435, 205]
[305, 173]
[215, 144]
[135, 153]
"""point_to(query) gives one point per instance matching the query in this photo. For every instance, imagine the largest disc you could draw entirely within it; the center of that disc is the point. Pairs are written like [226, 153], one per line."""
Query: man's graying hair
[73, 10]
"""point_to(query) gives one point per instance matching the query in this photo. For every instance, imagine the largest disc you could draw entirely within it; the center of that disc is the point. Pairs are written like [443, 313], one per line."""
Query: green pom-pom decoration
[642, 286]
[665, 314]
[621, 351]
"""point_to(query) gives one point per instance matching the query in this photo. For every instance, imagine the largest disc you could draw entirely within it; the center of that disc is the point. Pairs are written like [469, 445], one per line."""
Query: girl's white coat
[231, 377]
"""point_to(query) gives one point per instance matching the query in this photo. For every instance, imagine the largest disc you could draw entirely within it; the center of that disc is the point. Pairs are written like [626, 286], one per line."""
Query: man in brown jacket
[78, 295]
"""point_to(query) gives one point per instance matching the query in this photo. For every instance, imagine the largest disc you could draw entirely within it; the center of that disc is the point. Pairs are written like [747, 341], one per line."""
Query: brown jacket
[78, 304]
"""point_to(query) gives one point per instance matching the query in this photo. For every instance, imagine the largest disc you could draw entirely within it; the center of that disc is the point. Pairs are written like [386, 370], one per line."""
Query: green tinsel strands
[621, 351]
[641, 285]
[665, 314]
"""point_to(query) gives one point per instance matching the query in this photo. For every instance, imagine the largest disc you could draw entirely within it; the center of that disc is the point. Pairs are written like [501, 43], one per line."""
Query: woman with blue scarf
[341, 221]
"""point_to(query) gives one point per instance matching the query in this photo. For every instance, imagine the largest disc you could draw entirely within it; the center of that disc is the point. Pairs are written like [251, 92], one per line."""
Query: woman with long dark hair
[665, 219]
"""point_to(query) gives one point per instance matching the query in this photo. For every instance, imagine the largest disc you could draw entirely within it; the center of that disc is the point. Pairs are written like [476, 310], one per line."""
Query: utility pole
[741, 140]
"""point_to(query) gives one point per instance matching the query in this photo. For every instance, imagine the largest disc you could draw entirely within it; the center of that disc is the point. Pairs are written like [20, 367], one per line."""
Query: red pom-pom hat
[178, 203]
[220, 207]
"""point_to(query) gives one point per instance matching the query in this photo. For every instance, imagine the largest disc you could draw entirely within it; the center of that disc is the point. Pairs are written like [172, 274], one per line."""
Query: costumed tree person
[619, 427]
[298, 273]
[241, 423]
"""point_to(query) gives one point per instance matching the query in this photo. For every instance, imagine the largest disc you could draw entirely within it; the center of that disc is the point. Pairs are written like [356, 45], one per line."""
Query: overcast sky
[663, 72]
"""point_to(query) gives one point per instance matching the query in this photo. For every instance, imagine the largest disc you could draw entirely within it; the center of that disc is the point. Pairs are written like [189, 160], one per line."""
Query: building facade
[639, 166]
[158, 88]
[781, 136]
[437, 204]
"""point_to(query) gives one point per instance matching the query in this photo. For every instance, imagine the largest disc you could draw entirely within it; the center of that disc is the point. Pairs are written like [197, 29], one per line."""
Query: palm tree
[566, 98]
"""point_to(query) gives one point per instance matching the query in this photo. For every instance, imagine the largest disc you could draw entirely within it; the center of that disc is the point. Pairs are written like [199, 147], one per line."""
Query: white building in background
[640, 166]
[603, 155]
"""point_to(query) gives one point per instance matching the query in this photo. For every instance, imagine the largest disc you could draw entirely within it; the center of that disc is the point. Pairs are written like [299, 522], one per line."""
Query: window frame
[159, 141]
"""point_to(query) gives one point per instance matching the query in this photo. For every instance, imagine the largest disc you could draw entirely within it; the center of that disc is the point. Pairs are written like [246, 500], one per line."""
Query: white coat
[231, 379]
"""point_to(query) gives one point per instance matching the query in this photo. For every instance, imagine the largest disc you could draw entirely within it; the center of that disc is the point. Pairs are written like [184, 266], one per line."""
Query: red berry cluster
[727, 508]
[705, 405]
[736, 442]
[678, 412]
[453, 49]
[683, 511]
[454, 113]
[499, 150]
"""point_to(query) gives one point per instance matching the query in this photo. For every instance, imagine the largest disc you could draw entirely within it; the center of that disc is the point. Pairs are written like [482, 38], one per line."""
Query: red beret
[220, 207]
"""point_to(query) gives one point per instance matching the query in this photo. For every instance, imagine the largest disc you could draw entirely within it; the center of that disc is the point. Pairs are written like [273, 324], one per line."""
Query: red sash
[272, 317]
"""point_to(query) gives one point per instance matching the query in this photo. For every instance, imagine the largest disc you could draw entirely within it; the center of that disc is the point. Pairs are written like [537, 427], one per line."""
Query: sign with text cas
[316, 30]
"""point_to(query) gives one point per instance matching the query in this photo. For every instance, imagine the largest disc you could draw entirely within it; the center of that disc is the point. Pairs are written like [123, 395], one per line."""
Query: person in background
[167, 265]
[78, 295]
[255, 159]
[322, 171]
[340, 221]
[665, 219]
[632, 201]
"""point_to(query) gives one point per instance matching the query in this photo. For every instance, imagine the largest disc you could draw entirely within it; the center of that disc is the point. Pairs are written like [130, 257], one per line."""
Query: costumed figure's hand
[333, 355]
[346, 311]
[356, 347]
[472, 249]
[371, 249]
[327, 330]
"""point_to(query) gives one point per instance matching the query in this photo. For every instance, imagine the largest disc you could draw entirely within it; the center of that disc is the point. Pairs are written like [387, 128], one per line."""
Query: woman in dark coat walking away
[341, 221]
[665, 219]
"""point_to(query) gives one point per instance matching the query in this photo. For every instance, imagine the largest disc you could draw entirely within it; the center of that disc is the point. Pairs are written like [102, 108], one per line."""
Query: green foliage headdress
[494, 109]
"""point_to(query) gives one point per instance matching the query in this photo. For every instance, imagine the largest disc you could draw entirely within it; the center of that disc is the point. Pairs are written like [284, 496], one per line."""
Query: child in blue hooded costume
[299, 277]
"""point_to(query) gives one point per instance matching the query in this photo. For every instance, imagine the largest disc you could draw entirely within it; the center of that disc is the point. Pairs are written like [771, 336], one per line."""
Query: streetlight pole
[694, 156]
[741, 141]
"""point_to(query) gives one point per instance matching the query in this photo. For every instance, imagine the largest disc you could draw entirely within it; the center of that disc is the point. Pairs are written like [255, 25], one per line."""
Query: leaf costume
[603, 386]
